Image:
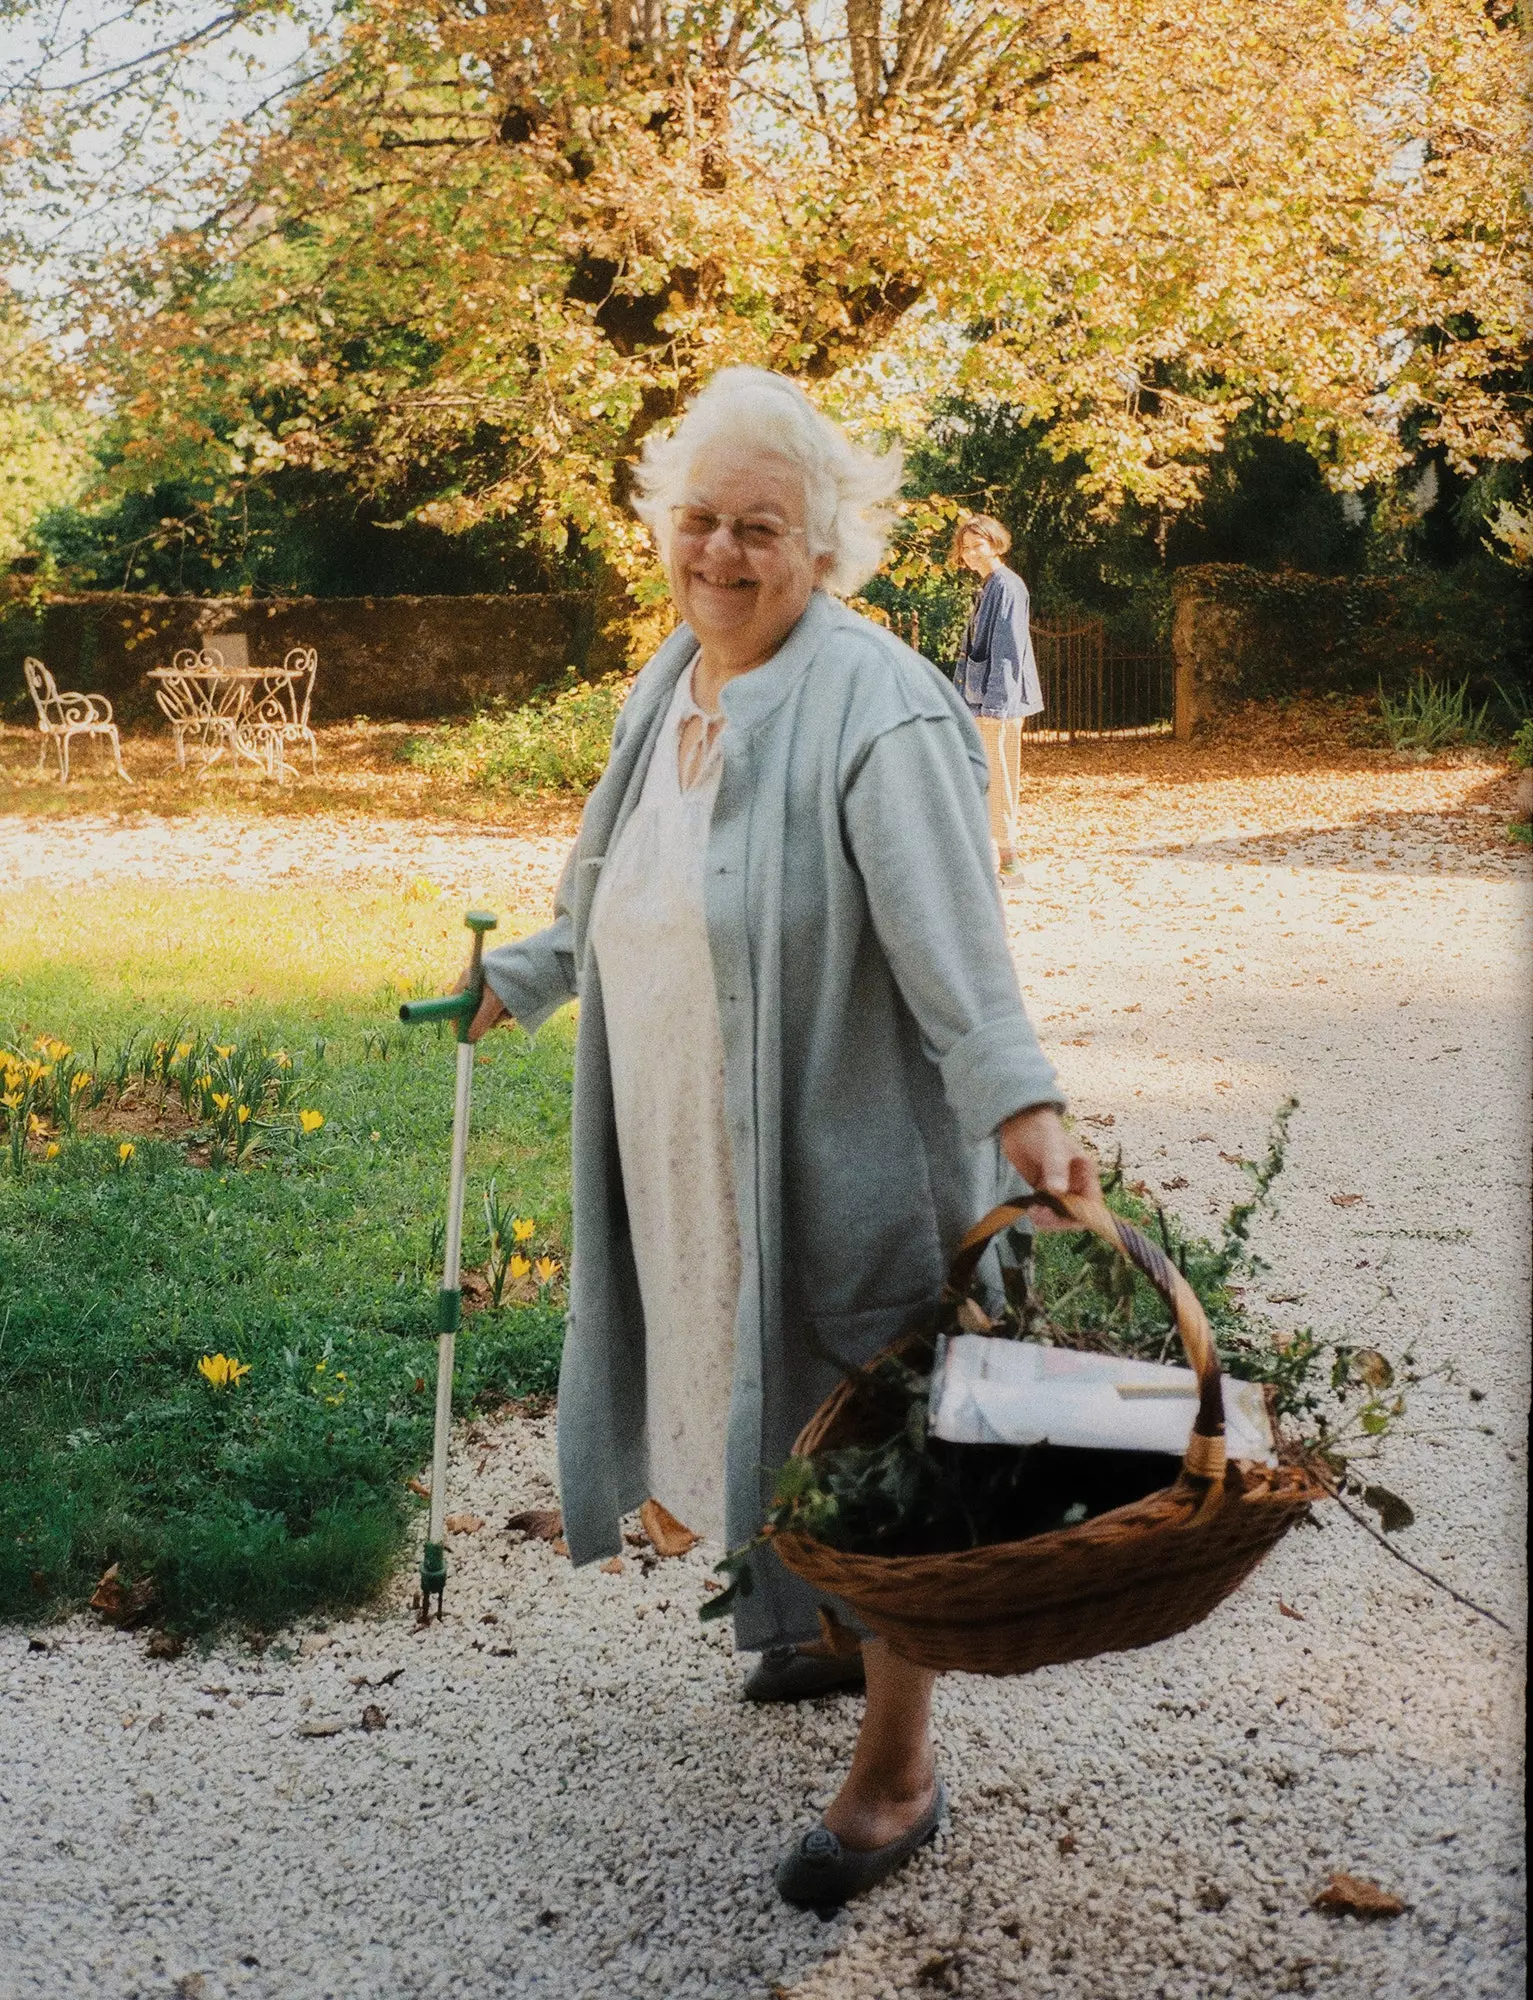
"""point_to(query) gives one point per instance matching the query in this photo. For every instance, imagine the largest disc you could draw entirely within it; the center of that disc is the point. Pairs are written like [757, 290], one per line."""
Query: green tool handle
[459, 1007]
[452, 1007]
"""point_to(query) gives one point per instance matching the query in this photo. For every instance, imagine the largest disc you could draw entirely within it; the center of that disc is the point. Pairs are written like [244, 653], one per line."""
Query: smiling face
[975, 552]
[742, 602]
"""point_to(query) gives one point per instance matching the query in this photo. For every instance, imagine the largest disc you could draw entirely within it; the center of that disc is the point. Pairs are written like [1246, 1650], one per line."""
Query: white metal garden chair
[282, 715]
[63, 717]
[197, 705]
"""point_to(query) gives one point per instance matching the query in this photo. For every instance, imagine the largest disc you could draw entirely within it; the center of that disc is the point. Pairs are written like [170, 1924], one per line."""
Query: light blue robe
[874, 1038]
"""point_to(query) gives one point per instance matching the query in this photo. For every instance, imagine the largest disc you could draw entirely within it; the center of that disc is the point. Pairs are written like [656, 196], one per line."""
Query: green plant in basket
[899, 1490]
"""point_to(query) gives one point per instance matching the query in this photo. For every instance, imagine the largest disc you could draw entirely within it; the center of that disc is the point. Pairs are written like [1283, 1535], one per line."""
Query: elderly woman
[802, 1065]
[997, 674]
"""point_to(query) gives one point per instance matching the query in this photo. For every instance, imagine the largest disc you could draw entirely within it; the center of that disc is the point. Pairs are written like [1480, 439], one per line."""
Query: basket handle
[1205, 1447]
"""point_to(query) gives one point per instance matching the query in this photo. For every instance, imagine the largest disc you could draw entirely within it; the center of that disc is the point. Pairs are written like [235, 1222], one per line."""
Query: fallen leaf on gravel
[670, 1536]
[613, 1566]
[1104, 1118]
[561, 1547]
[35, 1645]
[1369, 1366]
[489, 1618]
[122, 1604]
[1352, 1895]
[373, 1717]
[1289, 1612]
[711, 1583]
[1234, 1159]
[1205, 1139]
[190, 1986]
[165, 1646]
[538, 1524]
[419, 1486]
[330, 1726]
[1068, 1843]
[1347, 1200]
[1213, 1897]
[1285, 1298]
[1176, 1181]
[1393, 1512]
[312, 1643]
[463, 1524]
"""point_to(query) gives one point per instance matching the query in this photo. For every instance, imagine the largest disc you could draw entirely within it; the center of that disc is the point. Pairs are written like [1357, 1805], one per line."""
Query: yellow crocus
[221, 1100]
[125, 1152]
[183, 1050]
[223, 1054]
[520, 1267]
[81, 1081]
[243, 1114]
[546, 1269]
[522, 1228]
[222, 1371]
[53, 1150]
[312, 1120]
[11, 1100]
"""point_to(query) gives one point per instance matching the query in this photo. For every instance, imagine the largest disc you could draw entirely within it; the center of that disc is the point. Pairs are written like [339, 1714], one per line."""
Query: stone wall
[392, 658]
[1240, 634]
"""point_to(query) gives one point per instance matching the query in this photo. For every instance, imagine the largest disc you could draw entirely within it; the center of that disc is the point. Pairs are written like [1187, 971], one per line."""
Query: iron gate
[1091, 689]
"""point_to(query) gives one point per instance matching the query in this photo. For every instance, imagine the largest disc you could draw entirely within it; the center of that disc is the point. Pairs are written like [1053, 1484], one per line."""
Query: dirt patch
[140, 1112]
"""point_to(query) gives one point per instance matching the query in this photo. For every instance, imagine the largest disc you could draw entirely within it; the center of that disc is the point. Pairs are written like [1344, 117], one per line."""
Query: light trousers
[1003, 753]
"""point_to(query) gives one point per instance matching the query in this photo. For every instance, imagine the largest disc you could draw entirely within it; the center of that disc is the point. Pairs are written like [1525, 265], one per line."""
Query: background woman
[802, 1067]
[996, 673]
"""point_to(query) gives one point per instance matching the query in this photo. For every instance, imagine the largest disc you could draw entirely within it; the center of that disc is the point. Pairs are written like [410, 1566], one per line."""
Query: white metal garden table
[249, 712]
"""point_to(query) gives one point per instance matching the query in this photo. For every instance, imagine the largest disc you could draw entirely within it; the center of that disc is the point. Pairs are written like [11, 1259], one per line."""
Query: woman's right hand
[491, 1011]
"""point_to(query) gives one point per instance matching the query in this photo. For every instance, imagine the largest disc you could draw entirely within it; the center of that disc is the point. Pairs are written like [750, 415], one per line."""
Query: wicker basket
[1126, 1578]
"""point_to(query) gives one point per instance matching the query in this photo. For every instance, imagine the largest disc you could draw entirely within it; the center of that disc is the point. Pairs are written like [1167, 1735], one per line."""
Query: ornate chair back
[302, 663]
[42, 687]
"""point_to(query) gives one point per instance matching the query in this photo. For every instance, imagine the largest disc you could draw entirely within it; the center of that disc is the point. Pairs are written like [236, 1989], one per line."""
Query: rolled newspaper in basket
[1205, 1455]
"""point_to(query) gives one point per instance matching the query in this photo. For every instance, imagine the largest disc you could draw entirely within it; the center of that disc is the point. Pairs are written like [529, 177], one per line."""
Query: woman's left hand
[1047, 1158]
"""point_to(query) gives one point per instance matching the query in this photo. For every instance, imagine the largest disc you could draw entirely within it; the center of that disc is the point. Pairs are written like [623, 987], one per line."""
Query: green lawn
[313, 1264]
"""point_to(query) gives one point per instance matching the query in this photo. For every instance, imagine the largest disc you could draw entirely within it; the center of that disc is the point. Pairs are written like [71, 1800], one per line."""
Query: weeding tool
[460, 1007]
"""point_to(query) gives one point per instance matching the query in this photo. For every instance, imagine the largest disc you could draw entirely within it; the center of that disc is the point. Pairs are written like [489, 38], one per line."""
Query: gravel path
[568, 1798]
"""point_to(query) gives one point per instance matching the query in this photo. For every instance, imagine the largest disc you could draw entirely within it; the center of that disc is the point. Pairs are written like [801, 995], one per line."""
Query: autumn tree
[482, 246]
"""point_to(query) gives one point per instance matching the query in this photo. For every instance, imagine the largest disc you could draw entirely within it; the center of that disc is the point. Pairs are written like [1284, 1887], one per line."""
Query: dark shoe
[820, 1874]
[783, 1673]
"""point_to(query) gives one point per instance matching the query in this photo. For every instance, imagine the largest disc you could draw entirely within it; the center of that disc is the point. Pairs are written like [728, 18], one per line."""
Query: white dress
[650, 937]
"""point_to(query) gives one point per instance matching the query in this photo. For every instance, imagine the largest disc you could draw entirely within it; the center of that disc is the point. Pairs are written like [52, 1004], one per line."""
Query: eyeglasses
[699, 524]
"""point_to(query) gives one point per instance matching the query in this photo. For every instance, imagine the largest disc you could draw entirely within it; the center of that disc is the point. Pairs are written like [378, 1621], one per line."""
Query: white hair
[847, 491]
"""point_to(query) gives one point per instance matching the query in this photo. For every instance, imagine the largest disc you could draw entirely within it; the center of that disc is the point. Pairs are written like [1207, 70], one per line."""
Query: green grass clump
[557, 742]
[310, 1260]
[1431, 715]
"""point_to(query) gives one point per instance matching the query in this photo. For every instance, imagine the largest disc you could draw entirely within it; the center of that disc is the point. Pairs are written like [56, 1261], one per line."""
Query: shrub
[1431, 715]
[558, 742]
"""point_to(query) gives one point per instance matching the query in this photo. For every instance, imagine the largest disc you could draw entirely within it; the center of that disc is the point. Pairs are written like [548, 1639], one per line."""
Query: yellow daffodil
[53, 1149]
[222, 1371]
[204, 1082]
[221, 1099]
[522, 1228]
[223, 1054]
[81, 1080]
[183, 1050]
[34, 1124]
[545, 1270]
[11, 1100]
[243, 1114]
[312, 1120]
[520, 1267]
[125, 1152]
